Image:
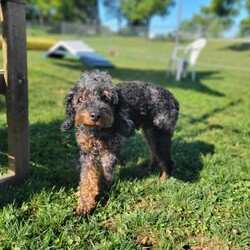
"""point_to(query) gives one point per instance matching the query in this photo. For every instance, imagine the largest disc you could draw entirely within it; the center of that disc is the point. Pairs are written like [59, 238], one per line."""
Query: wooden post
[14, 86]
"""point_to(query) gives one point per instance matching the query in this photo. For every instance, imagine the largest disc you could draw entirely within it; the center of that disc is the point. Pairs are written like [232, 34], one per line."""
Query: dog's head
[92, 102]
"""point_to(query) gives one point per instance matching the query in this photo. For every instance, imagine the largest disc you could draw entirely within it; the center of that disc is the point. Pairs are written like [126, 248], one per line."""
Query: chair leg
[169, 69]
[179, 71]
[193, 73]
[185, 68]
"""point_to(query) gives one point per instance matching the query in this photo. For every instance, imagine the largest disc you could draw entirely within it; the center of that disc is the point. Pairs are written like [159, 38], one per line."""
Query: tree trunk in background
[97, 18]
[119, 21]
[41, 18]
[147, 28]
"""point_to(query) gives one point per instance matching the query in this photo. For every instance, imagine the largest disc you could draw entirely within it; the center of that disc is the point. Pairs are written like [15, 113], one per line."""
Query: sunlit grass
[205, 204]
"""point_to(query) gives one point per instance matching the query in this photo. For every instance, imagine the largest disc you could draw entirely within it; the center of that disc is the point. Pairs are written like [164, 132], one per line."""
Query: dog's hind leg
[153, 161]
[160, 144]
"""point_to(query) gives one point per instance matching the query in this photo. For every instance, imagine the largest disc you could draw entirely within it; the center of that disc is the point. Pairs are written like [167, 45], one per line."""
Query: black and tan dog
[104, 115]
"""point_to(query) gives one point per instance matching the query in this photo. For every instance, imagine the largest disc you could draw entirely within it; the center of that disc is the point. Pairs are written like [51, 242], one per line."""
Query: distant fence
[65, 28]
[154, 32]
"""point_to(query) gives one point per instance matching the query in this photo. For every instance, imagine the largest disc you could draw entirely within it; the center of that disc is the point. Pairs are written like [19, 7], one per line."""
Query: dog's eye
[106, 99]
[82, 100]
[106, 96]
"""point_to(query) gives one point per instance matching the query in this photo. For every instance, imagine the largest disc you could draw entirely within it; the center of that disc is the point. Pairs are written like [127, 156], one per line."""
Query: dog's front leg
[108, 162]
[90, 185]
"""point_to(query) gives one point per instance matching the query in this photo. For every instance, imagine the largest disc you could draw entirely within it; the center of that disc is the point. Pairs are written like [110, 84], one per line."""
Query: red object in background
[111, 52]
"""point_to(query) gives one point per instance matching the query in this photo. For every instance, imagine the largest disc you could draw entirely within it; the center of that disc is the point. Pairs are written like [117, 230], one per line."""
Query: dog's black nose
[94, 116]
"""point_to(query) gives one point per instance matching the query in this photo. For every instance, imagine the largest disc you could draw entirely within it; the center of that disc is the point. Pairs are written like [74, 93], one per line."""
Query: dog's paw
[163, 176]
[83, 208]
[166, 174]
[76, 194]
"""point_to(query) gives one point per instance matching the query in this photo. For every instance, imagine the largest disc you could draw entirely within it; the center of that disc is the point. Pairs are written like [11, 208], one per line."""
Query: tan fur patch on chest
[88, 142]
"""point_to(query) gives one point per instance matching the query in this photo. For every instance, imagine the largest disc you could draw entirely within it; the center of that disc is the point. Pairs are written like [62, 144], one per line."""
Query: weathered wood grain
[16, 86]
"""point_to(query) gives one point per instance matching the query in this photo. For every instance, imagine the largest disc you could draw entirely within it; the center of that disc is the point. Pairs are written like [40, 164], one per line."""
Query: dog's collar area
[93, 130]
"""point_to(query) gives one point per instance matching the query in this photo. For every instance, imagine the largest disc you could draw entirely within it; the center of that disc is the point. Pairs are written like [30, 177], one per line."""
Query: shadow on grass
[2, 103]
[187, 155]
[69, 62]
[3, 152]
[54, 157]
[204, 117]
[238, 47]
[156, 76]
[52, 77]
[53, 162]
[159, 77]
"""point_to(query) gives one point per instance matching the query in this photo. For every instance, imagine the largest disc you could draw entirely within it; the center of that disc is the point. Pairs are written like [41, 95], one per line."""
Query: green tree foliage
[214, 19]
[85, 11]
[65, 10]
[43, 9]
[204, 24]
[245, 23]
[248, 6]
[224, 8]
[141, 11]
[113, 9]
[137, 13]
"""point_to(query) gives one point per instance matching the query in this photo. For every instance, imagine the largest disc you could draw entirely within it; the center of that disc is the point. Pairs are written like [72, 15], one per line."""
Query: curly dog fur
[104, 115]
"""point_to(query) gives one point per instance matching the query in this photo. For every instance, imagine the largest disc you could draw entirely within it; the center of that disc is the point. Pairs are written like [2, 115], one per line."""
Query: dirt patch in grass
[147, 240]
[204, 243]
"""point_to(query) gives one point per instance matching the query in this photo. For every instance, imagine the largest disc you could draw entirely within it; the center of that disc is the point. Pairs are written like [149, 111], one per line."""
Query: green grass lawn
[205, 204]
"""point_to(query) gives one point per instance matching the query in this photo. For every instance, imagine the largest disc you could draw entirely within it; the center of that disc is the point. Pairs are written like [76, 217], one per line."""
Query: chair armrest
[179, 48]
[187, 52]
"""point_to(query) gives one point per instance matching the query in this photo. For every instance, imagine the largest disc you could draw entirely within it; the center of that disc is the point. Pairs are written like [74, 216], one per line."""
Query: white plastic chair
[189, 56]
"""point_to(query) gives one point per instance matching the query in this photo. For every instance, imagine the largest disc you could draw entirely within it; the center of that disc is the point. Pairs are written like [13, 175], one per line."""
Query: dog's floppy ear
[123, 124]
[114, 96]
[69, 112]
